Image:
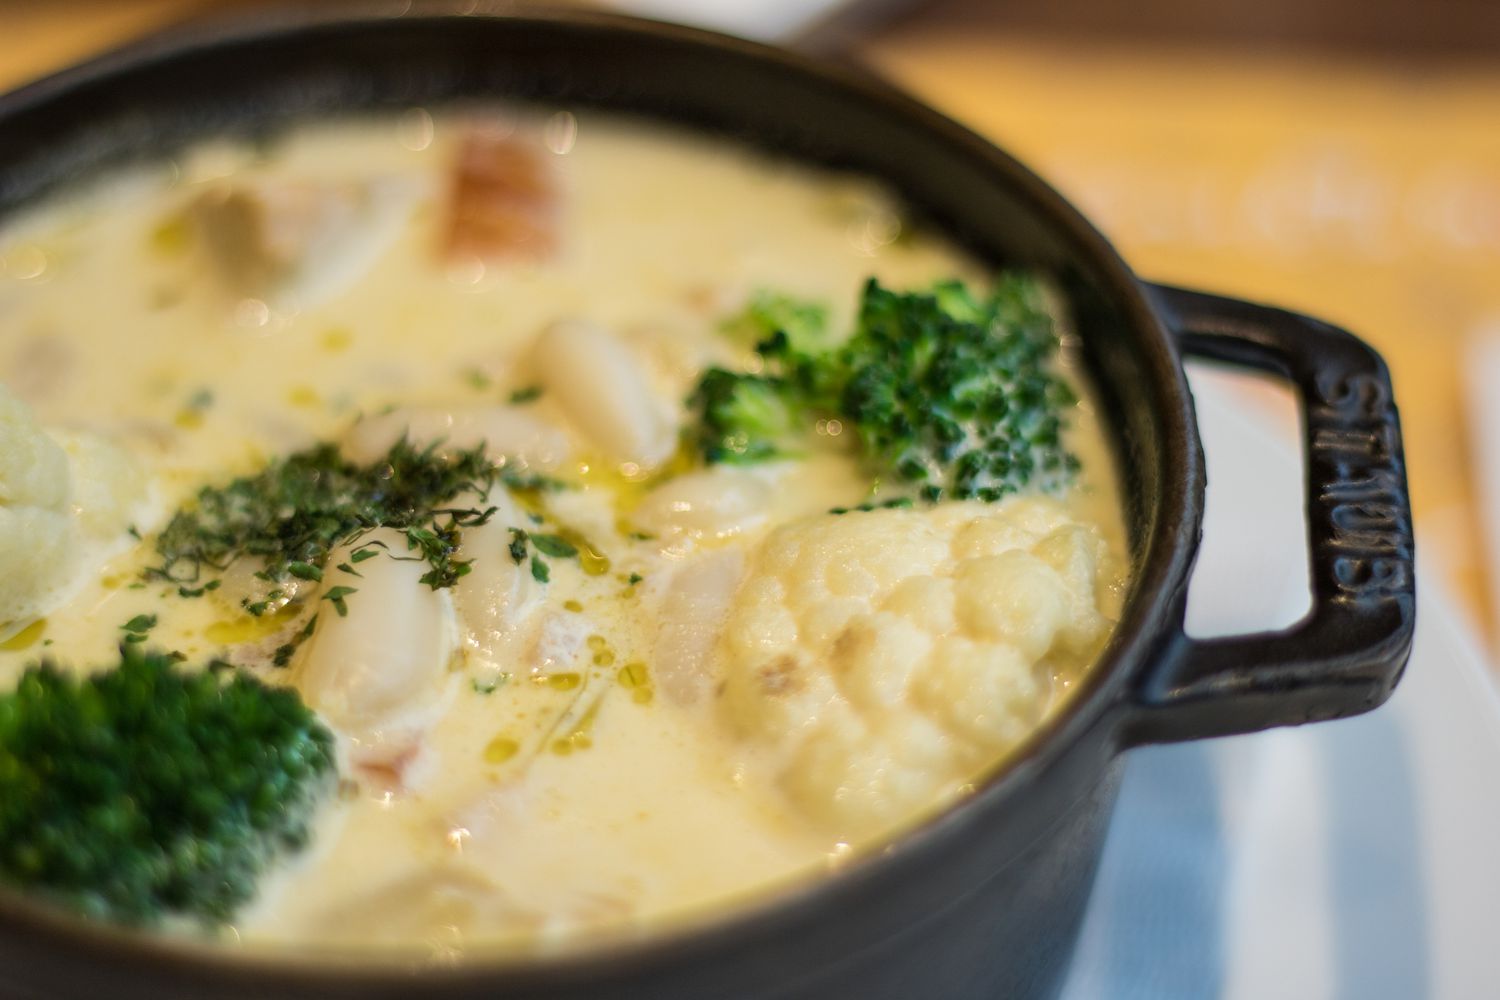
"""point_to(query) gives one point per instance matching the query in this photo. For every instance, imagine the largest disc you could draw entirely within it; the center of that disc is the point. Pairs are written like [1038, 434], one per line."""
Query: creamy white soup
[675, 670]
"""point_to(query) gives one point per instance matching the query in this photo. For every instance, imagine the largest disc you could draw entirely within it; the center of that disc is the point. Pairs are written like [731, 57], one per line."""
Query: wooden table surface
[1362, 191]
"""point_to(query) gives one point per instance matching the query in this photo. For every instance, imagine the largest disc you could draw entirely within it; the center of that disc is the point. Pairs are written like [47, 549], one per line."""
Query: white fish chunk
[496, 598]
[716, 503]
[295, 244]
[388, 655]
[605, 390]
[692, 616]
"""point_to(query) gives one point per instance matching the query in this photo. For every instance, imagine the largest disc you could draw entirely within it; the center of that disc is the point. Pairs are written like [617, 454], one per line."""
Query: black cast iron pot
[984, 901]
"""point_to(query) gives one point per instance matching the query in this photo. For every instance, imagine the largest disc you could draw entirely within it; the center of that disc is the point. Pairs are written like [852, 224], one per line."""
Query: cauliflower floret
[882, 658]
[108, 483]
[61, 497]
[606, 390]
[33, 468]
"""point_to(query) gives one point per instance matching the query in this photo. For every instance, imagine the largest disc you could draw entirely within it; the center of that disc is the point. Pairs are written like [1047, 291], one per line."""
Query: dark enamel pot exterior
[985, 900]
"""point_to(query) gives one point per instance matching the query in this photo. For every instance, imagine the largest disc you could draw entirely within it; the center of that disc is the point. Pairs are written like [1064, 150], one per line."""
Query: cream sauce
[552, 797]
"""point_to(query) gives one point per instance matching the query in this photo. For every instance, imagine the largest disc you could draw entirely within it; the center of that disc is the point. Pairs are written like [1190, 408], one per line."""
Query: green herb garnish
[490, 686]
[517, 548]
[300, 508]
[184, 591]
[896, 503]
[137, 627]
[539, 570]
[555, 546]
[337, 595]
[287, 650]
[304, 571]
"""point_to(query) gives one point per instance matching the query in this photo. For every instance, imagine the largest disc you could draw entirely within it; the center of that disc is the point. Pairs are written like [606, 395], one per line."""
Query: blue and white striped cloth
[1356, 860]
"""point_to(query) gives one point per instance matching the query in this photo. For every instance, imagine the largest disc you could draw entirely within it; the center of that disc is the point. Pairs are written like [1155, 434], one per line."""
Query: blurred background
[1340, 157]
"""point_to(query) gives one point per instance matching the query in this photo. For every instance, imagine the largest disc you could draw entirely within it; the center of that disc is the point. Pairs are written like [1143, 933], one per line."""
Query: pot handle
[1346, 655]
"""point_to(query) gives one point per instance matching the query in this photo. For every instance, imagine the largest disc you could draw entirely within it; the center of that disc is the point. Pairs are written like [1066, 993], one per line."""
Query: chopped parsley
[517, 546]
[540, 571]
[304, 571]
[336, 595]
[566, 544]
[297, 510]
[898, 503]
[286, 650]
[555, 546]
[490, 686]
[184, 591]
[137, 628]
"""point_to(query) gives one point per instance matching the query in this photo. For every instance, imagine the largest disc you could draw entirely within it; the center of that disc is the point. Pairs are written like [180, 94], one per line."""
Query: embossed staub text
[1355, 449]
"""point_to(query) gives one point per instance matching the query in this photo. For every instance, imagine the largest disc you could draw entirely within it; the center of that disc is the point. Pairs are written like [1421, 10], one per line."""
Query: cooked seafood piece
[503, 200]
[296, 243]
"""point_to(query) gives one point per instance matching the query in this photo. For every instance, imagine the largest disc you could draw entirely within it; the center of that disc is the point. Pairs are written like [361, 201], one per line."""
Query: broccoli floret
[147, 793]
[770, 318]
[792, 338]
[946, 391]
[744, 418]
[955, 394]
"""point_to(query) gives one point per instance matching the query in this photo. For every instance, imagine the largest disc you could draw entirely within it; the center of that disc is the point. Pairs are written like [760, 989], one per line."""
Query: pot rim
[1151, 616]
